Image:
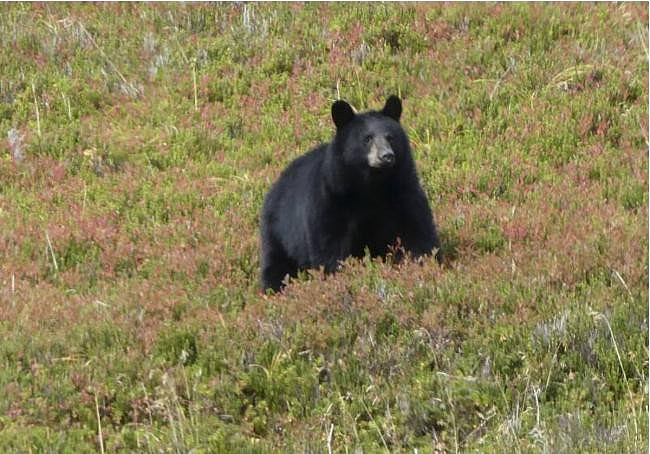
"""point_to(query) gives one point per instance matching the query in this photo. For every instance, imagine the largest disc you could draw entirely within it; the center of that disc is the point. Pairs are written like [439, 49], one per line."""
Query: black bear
[359, 191]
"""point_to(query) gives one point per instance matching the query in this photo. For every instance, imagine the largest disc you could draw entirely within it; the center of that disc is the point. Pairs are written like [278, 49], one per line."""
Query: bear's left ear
[393, 108]
[342, 113]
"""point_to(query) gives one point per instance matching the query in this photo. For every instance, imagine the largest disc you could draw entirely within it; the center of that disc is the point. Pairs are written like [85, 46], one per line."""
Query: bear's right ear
[393, 108]
[342, 113]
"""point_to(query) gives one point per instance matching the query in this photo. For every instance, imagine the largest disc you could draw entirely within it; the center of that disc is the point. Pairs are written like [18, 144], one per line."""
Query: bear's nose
[387, 156]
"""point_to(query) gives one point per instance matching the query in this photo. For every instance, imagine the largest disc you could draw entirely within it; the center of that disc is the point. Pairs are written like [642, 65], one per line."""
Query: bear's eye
[389, 138]
[367, 139]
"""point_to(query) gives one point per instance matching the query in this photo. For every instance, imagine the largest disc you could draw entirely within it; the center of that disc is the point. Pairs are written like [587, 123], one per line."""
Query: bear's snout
[380, 155]
[387, 157]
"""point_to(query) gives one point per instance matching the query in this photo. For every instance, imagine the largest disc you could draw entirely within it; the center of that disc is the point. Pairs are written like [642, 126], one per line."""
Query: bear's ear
[342, 113]
[393, 108]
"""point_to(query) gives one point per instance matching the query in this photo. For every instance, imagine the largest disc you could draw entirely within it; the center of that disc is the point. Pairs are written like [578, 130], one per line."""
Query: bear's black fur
[359, 191]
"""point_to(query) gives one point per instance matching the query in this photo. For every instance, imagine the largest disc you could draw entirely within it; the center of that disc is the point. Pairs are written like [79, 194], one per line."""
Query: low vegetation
[137, 142]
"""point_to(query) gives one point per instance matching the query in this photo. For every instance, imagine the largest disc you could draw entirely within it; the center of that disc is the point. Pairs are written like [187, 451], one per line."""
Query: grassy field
[137, 142]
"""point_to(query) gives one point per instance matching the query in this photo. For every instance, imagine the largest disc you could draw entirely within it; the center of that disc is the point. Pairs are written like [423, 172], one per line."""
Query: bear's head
[373, 143]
